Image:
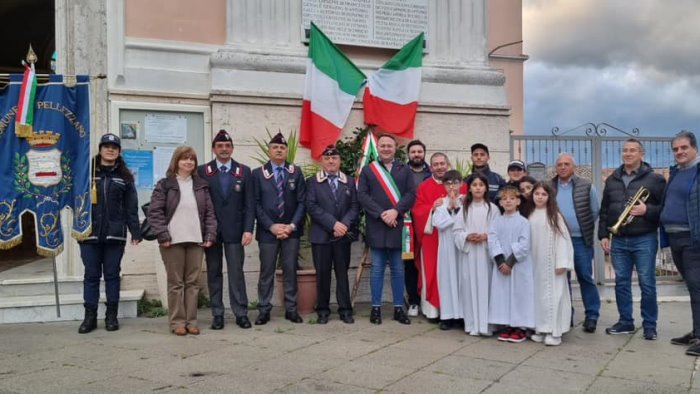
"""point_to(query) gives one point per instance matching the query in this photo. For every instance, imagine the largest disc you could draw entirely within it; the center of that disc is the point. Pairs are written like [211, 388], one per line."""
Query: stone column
[460, 35]
[81, 34]
[266, 25]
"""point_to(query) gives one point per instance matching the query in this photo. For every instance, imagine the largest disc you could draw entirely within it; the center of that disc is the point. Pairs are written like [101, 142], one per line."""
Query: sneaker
[505, 335]
[620, 328]
[517, 336]
[413, 310]
[551, 340]
[693, 350]
[650, 334]
[539, 338]
[685, 340]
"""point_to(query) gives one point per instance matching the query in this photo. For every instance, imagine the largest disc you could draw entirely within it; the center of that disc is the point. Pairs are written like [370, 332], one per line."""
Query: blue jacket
[692, 206]
[116, 209]
[496, 181]
[235, 208]
[266, 210]
[325, 209]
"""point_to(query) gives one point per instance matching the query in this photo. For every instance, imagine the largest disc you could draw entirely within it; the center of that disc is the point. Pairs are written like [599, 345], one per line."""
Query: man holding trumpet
[627, 229]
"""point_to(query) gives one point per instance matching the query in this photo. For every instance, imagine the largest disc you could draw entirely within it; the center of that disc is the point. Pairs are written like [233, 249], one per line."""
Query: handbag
[146, 230]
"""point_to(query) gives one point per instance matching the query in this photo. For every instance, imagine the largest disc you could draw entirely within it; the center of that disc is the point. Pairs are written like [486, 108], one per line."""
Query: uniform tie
[333, 181]
[280, 191]
[224, 180]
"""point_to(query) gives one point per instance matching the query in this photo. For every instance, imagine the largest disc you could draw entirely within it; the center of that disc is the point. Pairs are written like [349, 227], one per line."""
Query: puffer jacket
[616, 195]
[116, 208]
[165, 199]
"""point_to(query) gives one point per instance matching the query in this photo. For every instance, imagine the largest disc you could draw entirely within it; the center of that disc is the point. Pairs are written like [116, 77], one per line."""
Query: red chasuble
[426, 246]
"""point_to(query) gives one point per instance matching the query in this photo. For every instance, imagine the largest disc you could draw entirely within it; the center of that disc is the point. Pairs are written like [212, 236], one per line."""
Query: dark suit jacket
[235, 209]
[325, 209]
[266, 201]
[374, 201]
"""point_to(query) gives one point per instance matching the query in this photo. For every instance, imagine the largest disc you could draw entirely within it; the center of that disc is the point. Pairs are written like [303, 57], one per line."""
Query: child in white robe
[512, 293]
[471, 227]
[447, 272]
[552, 256]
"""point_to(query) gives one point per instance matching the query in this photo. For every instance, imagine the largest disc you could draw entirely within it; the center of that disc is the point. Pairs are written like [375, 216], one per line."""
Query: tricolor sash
[392, 192]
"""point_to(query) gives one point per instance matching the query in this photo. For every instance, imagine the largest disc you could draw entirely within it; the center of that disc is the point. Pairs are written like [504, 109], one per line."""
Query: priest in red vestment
[429, 195]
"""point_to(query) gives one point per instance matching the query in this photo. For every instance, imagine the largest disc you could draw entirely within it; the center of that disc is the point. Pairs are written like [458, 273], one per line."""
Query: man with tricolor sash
[386, 192]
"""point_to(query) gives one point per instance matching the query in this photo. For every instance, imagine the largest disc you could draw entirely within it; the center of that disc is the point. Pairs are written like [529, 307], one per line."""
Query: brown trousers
[183, 264]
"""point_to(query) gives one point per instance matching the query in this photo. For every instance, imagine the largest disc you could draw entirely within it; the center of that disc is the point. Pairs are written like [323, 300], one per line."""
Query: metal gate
[597, 155]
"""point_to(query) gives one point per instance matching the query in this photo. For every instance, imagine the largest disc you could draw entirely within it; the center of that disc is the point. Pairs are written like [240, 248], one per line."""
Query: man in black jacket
[636, 243]
[480, 160]
[386, 192]
[231, 190]
[331, 201]
[279, 204]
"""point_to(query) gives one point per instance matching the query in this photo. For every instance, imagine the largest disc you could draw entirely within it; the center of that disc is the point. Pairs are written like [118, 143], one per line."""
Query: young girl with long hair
[470, 230]
[552, 256]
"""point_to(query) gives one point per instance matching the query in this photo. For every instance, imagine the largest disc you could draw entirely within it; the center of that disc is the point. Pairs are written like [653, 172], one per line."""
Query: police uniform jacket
[325, 209]
[266, 203]
[235, 207]
[374, 201]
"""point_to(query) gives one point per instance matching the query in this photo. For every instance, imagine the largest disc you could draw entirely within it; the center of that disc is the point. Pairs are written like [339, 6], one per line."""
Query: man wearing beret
[279, 204]
[331, 201]
[231, 190]
[386, 191]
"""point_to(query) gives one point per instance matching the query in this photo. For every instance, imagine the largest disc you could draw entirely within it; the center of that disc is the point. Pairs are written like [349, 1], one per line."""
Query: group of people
[491, 254]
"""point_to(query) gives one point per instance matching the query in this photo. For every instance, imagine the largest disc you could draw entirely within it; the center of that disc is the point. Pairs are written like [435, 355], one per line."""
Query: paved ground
[284, 357]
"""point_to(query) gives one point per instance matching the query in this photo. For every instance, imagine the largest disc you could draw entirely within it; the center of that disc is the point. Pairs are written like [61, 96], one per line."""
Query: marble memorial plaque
[369, 23]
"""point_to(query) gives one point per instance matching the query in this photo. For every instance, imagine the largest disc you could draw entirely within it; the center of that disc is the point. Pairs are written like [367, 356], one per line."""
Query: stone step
[41, 286]
[42, 308]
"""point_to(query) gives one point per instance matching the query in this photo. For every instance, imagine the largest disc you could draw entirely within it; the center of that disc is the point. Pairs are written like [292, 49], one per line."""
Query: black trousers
[333, 256]
[411, 280]
[238, 296]
[687, 260]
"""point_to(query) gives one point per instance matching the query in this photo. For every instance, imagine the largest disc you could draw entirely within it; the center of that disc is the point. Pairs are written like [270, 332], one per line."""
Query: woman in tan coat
[179, 200]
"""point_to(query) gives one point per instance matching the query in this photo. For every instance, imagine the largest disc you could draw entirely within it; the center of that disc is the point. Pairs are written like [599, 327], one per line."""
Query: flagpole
[55, 287]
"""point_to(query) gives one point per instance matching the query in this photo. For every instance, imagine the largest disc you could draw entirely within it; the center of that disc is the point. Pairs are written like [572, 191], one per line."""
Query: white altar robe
[474, 266]
[447, 274]
[512, 301]
[551, 250]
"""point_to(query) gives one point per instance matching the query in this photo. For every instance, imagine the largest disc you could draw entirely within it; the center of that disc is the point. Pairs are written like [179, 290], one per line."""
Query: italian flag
[391, 97]
[369, 154]
[332, 82]
[25, 107]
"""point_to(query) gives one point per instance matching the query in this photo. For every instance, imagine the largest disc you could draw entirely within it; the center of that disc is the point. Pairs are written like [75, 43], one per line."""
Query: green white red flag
[369, 154]
[24, 119]
[391, 96]
[332, 82]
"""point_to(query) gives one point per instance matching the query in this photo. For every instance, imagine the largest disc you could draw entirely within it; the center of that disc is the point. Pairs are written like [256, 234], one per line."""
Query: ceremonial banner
[50, 169]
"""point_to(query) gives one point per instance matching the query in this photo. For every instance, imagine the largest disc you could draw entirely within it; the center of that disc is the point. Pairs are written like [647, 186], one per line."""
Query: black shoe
[650, 334]
[375, 317]
[263, 318]
[693, 350]
[347, 319]
[589, 325]
[243, 322]
[322, 319]
[400, 315]
[293, 317]
[90, 321]
[445, 325]
[111, 322]
[685, 340]
[217, 323]
[620, 328]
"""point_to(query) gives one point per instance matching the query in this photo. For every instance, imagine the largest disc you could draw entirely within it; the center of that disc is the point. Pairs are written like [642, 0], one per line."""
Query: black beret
[278, 139]
[331, 150]
[222, 136]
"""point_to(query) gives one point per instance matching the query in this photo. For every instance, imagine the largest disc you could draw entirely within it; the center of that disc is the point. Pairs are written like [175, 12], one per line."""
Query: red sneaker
[505, 335]
[517, 336]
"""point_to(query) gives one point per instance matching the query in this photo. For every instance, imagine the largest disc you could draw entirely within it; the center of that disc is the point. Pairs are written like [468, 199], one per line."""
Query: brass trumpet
[625, 217]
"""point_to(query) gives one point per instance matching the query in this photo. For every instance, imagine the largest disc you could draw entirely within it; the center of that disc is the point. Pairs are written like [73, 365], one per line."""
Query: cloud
[628, 63]
[626, 97]
[662, 35]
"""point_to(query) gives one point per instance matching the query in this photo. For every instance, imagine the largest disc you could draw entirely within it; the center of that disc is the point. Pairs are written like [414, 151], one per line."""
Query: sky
[630, 63]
